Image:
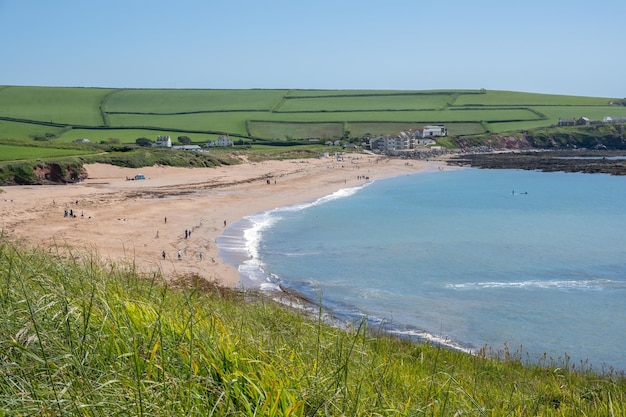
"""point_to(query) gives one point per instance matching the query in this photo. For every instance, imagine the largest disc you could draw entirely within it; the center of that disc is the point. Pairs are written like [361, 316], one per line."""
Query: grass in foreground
[79, 337]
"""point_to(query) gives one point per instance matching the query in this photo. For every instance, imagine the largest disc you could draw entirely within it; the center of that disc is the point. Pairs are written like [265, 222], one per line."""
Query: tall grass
[81, 337]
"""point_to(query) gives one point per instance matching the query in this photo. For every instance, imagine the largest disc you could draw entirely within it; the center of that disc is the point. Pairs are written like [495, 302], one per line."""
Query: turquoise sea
[527, 261]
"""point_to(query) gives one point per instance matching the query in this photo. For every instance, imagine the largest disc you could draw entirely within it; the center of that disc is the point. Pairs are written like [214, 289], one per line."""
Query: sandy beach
[175, 210]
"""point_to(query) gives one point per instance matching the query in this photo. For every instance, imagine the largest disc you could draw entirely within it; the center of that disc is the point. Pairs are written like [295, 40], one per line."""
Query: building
[390, 142]
[193, 148]
[431, 131]
[566, 122]
[409, 139]
[163, 142]
[610, 119]
[222, 141]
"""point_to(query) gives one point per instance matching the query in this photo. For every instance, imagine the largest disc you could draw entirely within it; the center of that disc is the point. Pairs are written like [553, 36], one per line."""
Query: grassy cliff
[78, 337]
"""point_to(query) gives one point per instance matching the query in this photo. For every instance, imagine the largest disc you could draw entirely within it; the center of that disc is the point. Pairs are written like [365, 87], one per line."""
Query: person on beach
[163, 254]
[180, 255]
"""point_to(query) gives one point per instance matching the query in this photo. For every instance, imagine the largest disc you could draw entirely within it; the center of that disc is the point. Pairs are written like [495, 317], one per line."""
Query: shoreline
[238, 241]
[177, 209]
[255, 279]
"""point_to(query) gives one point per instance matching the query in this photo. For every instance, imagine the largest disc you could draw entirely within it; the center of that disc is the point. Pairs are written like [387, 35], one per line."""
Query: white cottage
[163, 142]
[430, 131]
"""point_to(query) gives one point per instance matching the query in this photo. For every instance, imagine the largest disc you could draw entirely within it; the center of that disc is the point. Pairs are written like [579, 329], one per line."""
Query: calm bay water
[469, 258]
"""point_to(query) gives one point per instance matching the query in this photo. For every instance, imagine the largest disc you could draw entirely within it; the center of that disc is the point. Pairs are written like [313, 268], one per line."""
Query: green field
[512, 98]
[68, 106]
[18, 152]
[365, 103]
[98, 114]
[27, 131]
[185, 101]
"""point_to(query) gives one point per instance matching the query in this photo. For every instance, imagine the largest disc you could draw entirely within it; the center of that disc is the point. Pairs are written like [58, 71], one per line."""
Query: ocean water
[527, 261]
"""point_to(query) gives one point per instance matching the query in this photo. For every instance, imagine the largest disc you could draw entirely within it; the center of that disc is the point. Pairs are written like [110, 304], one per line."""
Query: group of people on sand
[68, 212]
[179, 254]
[71, 213]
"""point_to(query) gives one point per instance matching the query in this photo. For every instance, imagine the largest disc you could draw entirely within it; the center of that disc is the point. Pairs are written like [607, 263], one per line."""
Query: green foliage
[283, 150]
[141, 157]
[592, 137]
[143, 142]
[65, 170]
[82, 338]
[17, 174]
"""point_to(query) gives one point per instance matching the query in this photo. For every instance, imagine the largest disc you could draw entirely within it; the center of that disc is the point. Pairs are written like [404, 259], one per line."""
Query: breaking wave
[594, 284]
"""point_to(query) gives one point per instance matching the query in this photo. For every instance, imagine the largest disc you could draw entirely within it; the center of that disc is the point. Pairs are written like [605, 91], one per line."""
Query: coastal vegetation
[82, 337]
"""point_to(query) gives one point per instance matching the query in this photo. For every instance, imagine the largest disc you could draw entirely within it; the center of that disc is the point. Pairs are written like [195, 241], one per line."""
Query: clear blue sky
[548, 46]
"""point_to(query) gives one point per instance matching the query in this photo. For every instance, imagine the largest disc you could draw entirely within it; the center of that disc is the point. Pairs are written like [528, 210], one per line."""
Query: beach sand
[175, 209]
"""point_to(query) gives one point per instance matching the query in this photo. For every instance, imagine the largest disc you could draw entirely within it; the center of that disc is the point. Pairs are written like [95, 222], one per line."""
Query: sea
[504, 262]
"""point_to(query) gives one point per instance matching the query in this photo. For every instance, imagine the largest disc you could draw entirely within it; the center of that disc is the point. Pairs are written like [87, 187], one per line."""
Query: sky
[540, 46]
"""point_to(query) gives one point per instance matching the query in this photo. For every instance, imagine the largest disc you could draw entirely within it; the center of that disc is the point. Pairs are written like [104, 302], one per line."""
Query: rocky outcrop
[55, 173]
[606, 162]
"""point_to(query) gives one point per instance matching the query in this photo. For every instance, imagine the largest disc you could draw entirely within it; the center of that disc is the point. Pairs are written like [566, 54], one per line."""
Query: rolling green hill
[66, 114]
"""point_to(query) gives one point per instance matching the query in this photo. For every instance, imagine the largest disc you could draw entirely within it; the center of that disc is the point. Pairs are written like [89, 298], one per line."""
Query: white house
[222, 141]
[163, 142]
[430, 131]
